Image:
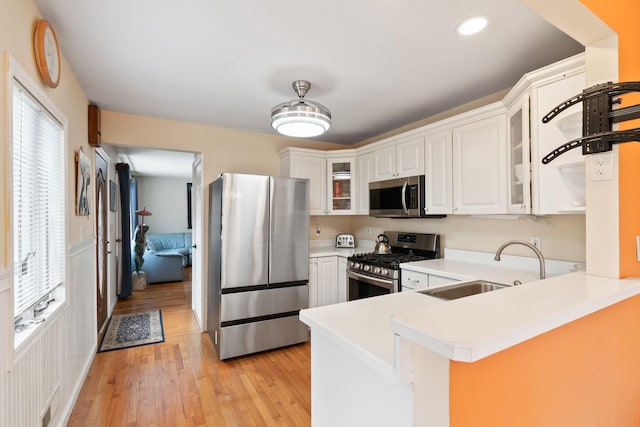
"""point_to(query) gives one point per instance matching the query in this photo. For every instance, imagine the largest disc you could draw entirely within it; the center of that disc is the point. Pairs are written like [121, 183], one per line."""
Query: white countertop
[469, 329]
[466, 329]
[363, 327]
[331, 251]
[463, 270]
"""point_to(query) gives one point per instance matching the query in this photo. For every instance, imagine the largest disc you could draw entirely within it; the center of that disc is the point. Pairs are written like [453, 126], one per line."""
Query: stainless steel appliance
[399, 198]
[258, 262]
[373, 274]
[345, 240]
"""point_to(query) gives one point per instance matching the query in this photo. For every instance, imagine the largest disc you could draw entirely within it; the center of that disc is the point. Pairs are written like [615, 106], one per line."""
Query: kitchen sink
[462, 290]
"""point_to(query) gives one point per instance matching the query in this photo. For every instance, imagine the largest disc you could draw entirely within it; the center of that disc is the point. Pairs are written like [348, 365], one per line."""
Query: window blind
[38, 200]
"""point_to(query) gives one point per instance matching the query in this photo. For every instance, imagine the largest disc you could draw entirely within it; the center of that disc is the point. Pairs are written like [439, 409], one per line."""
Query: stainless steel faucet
[530, 246]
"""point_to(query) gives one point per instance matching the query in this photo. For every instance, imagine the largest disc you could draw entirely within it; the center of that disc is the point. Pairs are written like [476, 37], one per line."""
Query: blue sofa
[166, 255]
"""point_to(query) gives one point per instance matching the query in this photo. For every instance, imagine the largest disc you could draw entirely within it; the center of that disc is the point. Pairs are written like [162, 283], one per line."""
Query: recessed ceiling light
[472, 25]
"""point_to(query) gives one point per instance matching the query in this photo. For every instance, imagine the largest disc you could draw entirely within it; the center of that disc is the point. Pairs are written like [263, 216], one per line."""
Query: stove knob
[357, 265]
[367, 268]
[351, 264]
[377, 270]
[384, 272]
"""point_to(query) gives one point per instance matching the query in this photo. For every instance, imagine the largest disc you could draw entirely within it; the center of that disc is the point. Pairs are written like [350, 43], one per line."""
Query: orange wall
[622, 17]
[585, 373]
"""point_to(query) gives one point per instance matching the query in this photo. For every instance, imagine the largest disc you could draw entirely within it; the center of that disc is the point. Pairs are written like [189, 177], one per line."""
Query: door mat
[132, 330]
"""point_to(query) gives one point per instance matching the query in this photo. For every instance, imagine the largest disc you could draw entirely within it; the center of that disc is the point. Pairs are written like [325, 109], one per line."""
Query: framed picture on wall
[112, 196]
[83, 179]
[189, 205]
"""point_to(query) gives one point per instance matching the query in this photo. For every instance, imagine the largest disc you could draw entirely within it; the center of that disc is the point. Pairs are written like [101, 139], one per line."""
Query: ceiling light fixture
[472, 25]
[299, 117]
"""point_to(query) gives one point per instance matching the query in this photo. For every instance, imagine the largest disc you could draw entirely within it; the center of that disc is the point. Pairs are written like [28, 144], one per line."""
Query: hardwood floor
[181, 382]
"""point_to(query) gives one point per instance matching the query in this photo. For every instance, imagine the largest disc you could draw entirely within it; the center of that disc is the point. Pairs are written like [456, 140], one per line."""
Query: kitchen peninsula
[518, 356]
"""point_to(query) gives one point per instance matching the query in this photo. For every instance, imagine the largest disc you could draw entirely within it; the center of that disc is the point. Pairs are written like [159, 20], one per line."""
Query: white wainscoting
[51, 372]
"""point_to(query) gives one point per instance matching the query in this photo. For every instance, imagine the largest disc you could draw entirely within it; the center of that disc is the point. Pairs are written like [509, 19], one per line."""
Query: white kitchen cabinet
[310, 164]
[518, 160]
[327, 280]
[313, 282]
[327, 171]
[412, 280]
[480, 167]
[342, 279]
[438, 177]
[364, 175]
[323, 281]
[341, 184]
[559, 186]
[399, 159]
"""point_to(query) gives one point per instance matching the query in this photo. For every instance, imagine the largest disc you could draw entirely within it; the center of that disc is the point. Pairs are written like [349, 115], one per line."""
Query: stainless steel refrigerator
[258, 262]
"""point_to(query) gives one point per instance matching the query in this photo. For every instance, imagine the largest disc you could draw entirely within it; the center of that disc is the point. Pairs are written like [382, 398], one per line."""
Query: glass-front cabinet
[519, 176]
[341, 186]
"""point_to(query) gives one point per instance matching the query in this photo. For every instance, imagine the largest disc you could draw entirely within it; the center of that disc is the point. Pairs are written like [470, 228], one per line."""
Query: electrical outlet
[535, 241]
[601, 167]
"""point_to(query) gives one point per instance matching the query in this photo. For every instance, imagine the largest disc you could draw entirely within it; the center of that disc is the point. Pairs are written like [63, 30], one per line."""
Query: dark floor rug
[132, 330]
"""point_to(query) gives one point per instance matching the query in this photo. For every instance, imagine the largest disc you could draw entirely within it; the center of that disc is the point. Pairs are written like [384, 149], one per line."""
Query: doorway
[102, 163]
[162, 182]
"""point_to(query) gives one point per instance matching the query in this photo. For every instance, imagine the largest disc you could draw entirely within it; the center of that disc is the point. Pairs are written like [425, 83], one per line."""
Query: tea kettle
[382, 245]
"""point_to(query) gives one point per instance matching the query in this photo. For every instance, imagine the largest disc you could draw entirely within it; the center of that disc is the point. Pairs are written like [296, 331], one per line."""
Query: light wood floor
[181, 382]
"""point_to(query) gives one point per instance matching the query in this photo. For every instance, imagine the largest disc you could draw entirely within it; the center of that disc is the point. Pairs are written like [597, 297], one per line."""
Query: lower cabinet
[342, 279]
[327, 280]
[414, 281]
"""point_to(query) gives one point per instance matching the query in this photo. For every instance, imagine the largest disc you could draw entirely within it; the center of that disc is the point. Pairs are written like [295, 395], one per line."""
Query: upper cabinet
[399, 159]
[487, 161]
[437, 168]
[310, 164]
[479, 167]
[364, 175]
[559, 186]
[331, 176]
[341, 185]
[518, 158]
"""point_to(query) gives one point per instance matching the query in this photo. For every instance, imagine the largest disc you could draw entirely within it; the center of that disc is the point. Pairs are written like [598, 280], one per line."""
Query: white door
[197, 287]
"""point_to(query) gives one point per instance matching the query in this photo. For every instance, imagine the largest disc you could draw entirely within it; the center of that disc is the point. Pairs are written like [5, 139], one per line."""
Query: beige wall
[223, 150]
[17, 25]
[563, 237]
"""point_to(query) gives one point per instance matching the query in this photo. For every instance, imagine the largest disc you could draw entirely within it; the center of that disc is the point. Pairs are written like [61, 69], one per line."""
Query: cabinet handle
[455, 209]
[409, 279]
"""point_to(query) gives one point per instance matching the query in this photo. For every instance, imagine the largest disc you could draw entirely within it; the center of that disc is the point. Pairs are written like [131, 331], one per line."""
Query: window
[38, 201]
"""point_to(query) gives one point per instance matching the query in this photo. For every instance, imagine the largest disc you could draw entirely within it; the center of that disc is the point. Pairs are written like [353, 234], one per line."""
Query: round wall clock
[47, 53]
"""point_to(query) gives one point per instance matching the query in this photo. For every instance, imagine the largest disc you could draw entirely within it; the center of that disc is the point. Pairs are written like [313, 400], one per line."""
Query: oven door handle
[387, 284]
[404, 197]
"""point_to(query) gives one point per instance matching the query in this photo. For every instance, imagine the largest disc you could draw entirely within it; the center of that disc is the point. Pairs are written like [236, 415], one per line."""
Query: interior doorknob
[194, 246]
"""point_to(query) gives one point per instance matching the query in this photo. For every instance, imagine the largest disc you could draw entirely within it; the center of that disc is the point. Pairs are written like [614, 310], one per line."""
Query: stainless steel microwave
[399, 198]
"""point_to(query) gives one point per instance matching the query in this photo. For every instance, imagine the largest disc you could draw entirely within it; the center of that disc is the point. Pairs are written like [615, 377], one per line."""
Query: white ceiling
[376, 64]
[154, 162]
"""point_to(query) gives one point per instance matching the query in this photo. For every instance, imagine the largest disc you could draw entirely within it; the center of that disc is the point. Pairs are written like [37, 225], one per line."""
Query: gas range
[372, 274]
[384, 265]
